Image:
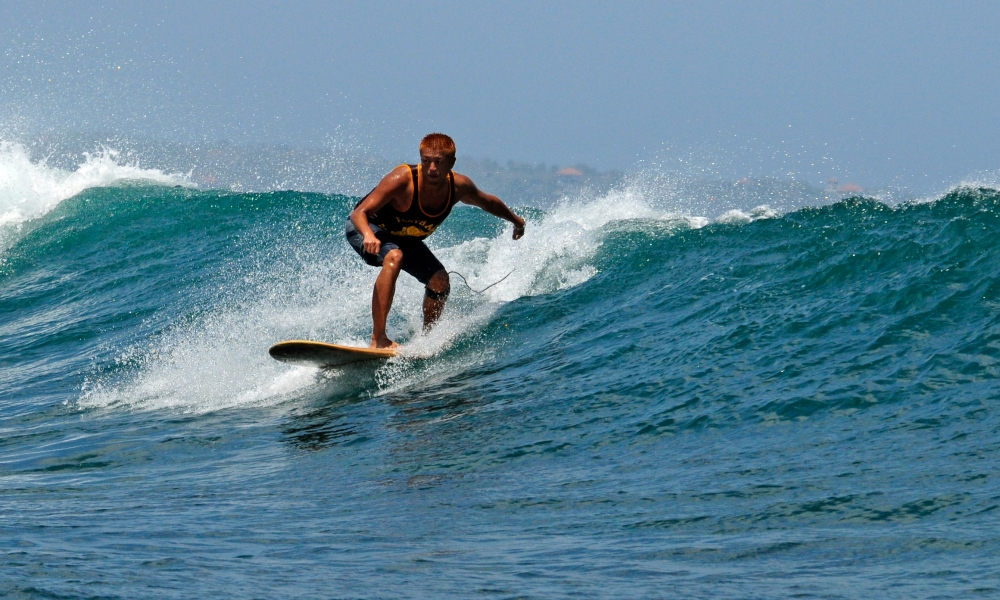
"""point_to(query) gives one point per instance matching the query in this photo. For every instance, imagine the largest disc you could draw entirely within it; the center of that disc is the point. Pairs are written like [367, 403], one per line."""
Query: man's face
[435, 165]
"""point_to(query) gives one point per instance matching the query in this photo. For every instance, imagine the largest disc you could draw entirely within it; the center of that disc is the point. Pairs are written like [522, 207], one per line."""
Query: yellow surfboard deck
[323, 356]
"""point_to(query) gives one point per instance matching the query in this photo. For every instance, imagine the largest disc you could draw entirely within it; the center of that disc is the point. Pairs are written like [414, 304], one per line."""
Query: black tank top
[413, 222]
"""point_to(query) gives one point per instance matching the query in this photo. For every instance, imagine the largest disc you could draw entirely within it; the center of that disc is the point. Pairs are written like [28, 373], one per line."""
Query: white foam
[736, 217]
[981, 179]
[30, 189]
[219, 360]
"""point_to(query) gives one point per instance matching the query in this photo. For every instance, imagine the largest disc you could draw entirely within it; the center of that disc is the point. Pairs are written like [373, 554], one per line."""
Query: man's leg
[385, 289]
[435, 295]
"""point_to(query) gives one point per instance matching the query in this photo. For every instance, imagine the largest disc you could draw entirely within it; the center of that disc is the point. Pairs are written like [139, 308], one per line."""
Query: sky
[886, 94]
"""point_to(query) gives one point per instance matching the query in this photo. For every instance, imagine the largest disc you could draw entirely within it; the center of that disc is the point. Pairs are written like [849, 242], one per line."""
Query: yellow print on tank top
[418, 229]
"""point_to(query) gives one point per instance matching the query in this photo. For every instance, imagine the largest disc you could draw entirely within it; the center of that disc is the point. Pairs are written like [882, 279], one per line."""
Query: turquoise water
[652, 404]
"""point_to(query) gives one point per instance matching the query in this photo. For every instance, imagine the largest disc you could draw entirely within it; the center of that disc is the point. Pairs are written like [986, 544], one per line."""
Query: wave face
[758, 404]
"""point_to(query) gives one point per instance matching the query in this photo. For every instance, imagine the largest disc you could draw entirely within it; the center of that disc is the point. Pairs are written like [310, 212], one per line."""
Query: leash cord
[485, 288]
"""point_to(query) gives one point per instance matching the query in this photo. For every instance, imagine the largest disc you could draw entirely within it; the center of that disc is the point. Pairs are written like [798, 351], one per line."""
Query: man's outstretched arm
[470, 194]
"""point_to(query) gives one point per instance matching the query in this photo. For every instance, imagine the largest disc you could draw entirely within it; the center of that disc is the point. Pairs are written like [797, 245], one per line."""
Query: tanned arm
[392, 187]
[468, 193]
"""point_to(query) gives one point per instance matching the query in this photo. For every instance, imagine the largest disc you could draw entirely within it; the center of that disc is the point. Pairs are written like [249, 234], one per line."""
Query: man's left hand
[519, 230]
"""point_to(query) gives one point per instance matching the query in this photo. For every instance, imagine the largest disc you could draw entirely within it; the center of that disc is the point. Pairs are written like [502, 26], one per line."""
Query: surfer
[389, 225]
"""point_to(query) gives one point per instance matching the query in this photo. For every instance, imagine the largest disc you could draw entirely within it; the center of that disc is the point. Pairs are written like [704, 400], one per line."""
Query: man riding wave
[388, 226]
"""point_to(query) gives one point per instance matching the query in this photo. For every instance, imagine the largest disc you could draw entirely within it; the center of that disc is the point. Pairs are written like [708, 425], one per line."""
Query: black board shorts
[418, 260]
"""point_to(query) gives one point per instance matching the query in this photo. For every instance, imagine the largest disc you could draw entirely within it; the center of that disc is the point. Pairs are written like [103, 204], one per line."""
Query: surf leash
[485, 288]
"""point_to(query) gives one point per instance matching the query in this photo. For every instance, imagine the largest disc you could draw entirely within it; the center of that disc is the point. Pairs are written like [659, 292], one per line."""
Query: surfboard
[323, 356]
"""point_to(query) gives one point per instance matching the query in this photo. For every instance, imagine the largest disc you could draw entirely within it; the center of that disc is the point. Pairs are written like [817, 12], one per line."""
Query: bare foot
[384, 342]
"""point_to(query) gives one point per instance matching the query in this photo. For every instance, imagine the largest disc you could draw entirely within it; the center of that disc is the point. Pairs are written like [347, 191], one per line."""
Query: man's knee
[439, 286]
[393, 259]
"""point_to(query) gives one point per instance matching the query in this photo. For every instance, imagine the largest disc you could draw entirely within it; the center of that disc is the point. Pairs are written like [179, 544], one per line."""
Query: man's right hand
[371, 244]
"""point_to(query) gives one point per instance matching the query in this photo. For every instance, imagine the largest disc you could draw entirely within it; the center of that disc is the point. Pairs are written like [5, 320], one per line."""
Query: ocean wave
[30, 188]
[300, 280]
[321, 290]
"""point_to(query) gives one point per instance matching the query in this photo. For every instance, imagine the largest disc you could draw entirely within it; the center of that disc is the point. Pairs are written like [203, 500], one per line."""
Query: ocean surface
[794, 399]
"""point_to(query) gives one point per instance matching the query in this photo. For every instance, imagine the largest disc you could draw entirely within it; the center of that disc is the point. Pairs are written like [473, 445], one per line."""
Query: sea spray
[29, 189]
